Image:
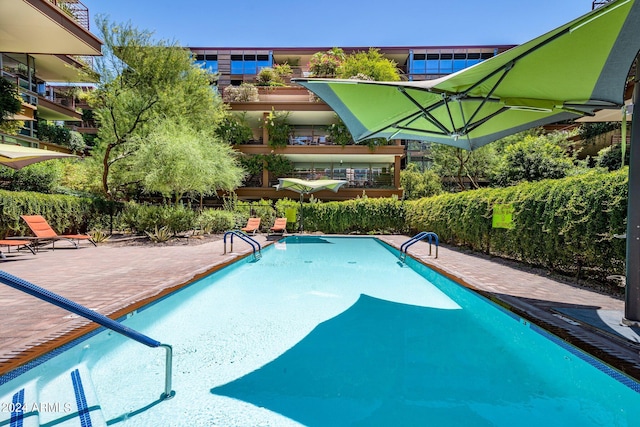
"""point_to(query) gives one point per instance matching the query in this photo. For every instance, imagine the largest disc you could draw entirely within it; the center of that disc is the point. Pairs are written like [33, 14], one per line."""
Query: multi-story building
[372, 171]
[42, 43]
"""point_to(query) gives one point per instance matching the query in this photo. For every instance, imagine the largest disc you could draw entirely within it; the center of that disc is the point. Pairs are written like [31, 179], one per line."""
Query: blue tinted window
[418, 66]
[237, 67]
[211, 66]
[446, 66]
[459, 64]
[250, 67]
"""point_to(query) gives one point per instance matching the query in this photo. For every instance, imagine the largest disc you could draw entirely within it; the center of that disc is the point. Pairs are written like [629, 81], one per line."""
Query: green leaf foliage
[417, 184]
[10, 101]
[368, 65]
[532, 159]
[65, 214]
[362, 215]
[565, 225]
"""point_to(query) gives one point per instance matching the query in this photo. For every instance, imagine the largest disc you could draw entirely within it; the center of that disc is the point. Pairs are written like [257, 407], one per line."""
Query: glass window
[446, 63]
[419, 64]
[433, 63]
[459, 61]
[212, 66]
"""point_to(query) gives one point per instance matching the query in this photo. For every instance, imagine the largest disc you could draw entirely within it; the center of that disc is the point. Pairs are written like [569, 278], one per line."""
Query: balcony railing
[74, 8]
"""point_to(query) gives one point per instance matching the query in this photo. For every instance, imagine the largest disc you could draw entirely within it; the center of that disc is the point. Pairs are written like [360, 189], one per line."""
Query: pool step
[72, 400]
[66, 400]
[16, 408]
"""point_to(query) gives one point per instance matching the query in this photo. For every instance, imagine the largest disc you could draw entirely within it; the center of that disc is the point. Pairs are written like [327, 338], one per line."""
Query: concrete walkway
[115, 280]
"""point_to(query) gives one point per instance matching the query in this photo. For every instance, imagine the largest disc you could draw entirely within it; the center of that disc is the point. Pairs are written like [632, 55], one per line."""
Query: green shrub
[362, 215]
[215, 221]
[66, 214]
[44, 177]
[566, 225]
[145, 218]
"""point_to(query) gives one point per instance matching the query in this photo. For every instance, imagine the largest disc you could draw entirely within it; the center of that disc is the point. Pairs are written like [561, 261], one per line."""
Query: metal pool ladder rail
[80, 310]
[429, 235]
[254, 243]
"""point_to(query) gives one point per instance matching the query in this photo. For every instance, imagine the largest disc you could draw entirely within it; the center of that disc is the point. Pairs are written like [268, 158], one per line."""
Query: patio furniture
[279, 226]
[17, 243]
[253, 225]
[44, 233]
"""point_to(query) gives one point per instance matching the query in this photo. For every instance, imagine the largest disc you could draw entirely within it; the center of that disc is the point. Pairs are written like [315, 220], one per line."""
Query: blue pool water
[331, 331]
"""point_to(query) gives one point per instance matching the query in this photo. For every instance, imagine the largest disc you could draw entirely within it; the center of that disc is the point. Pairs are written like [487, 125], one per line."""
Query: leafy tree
[611, 157]
[369, 64]
[143, 83]
[10, 101]
[532, 159]
[417, 184]
[177, 160]
[76, 141]
[456, 164]
[234, 130]
[53, 133]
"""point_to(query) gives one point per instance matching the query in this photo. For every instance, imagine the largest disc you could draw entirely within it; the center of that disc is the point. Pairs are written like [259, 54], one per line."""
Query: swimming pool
[327, 331]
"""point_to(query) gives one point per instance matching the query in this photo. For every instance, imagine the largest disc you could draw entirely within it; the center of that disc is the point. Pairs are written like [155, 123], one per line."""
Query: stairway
[66, 400]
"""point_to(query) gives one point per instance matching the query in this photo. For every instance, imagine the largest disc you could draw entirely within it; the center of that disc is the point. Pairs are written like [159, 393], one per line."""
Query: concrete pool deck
[115, 279]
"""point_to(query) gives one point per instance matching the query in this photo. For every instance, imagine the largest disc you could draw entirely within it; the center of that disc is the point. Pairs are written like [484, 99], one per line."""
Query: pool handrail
[415, 239]
[243, 236]
[80, 310]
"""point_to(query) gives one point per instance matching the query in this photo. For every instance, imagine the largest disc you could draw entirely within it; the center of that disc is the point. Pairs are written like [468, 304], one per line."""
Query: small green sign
[503, 216]
[291, 213]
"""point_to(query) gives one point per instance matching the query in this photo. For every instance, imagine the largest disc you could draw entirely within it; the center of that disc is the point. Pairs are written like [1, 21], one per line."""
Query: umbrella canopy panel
[303, 186]
[17, 156]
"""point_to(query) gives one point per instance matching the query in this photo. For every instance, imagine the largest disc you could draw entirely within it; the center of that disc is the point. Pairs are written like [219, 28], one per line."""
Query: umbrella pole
[300, 226]
[632, 290]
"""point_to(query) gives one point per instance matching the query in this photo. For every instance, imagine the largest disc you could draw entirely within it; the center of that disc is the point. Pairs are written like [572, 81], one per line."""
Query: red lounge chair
[279, 226]
[253, 225]
[43, 231]
[11, 242]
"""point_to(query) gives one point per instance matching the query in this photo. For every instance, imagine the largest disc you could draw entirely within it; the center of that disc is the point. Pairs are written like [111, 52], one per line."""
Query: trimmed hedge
[65, 214]
[566, 225]
[362, 215]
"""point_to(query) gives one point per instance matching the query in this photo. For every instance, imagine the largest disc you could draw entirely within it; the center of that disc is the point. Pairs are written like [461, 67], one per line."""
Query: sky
[342, 23]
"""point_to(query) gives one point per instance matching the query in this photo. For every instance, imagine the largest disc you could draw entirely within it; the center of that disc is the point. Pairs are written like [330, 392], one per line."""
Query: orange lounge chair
[253, 225]
[11, 242]
[279, 226]
[43, 231]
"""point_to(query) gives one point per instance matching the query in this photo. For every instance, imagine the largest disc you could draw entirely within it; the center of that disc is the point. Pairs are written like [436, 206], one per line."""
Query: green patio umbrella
[303, 186]
[567, 73]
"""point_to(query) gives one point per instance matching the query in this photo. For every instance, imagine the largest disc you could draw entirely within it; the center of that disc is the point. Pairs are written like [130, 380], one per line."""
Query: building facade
[375, 170]
[44, 43]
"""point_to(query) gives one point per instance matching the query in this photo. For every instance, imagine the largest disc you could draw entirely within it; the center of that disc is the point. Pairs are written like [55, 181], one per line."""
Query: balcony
[47, 27]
